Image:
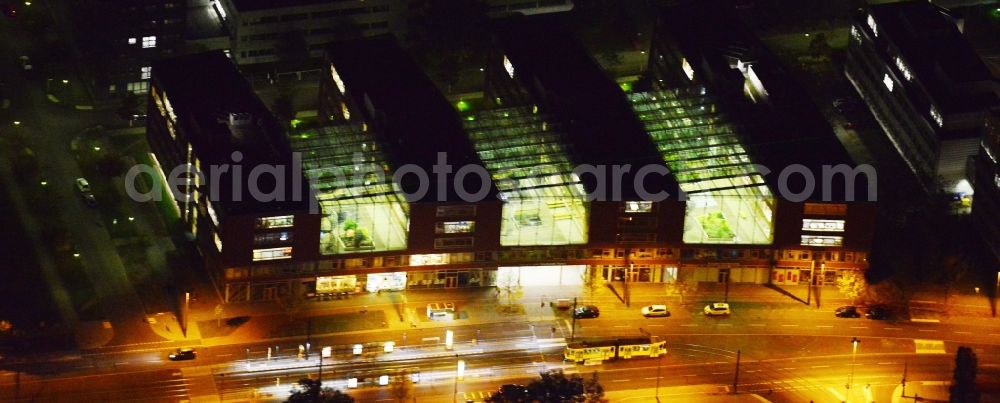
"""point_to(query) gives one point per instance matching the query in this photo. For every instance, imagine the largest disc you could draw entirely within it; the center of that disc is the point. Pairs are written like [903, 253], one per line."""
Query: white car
[82, 185]
[717, 309]
[655, 310]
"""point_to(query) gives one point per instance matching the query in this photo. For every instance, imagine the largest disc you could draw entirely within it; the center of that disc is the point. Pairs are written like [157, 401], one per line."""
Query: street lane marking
[620, 380]
[925, 320]
[649, 378]
[926, 330]
[689, 375]
[621, 325]
[859, 327]
[655, 325]
[928, 346]
[789, 325]
[892, 328]
[719, 373]
[824, 325]
[689, 325]
[962, 332]
[757, 324]
[886, 363]
[752, 371]
[820, 366]
[725, 324]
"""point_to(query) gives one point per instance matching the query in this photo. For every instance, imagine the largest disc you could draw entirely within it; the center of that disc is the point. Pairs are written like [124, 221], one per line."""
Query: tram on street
[597, 350]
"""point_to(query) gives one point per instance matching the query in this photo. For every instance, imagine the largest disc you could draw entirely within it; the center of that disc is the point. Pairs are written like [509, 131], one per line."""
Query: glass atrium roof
[698, 143]
[343, 163]
[523, 154]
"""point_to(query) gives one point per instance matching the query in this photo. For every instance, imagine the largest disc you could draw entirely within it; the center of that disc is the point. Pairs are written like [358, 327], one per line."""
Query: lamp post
[850, 378]
[659, 363]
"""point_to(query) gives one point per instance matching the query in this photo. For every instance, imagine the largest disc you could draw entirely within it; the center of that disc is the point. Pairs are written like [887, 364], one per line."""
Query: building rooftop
[254, 5]
[221, 115]
[410, 117]
[936, 53]
[568, 83]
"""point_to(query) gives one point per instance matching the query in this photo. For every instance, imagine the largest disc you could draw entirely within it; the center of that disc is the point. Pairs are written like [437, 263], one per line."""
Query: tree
[401, 386]
[963, 384]
[555, 386]
[852, 285]
[509, 289]
[819, 46]
[309, 391]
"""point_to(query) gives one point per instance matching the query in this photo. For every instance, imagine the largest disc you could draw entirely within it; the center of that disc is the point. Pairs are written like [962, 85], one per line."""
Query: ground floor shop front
[331, 287]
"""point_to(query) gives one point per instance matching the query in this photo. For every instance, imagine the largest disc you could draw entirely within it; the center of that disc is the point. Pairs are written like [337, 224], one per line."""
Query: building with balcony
[926, 87]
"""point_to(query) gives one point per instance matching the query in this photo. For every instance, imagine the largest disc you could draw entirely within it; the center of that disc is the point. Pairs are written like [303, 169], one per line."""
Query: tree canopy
[554, 386]
[309, 391]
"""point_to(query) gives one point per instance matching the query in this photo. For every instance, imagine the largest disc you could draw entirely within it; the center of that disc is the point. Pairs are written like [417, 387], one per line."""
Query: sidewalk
[690, 394]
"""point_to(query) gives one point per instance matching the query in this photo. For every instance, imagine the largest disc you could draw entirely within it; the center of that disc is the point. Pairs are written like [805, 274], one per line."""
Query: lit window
[855, 33]
[936, 115]
[112, 89]
[149, 41]
[218, 242]
[146, 72]
[344, 111]
[638, 206]
[507, 65]
[272, 253]
[903, 69]
[131, 41]
[272, 237]
[455, 227]
[211, 212]
[996, 180]
[281, 221]
[687, 68]
[139, 87]
[824, 209]
[871, 24]
[887, 81]
[820, 240]
[823, 225]
[429, 260]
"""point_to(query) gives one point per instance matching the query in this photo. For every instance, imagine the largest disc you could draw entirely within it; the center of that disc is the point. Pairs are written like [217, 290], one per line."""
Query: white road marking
[689, 375]
[750, 371]
[820, 366]
[757, 324]
[886, 363]
[824, 325]
[719, 373]
[859, 327]
[620, 380]
[926, 330]
[789, 325]
[925, 320]
[649, 378]
[892, 328]
[655, 325]
[622, 326]
[689, 324]
[962, 332]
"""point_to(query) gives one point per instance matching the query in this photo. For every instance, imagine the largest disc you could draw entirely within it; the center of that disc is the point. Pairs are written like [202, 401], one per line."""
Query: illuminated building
[986, 209]
[926, 87]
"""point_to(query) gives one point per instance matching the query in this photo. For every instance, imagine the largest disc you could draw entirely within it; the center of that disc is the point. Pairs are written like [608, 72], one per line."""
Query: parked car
[717, 309]
[878, 312]
[849, 311]
[655, 310]
[182, 354]
[586, 311]
[82, 185]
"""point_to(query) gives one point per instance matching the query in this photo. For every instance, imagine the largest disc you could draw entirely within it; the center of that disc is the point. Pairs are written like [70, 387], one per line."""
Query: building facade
[986, 209]
[529, 215]
[926, 87]
[121, 39]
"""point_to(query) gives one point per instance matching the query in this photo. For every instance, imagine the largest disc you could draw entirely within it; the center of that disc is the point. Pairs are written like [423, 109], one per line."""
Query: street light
[459, 374]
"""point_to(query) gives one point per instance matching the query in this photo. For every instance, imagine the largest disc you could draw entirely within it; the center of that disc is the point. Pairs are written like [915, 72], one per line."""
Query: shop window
[455, 227]
[429, 259]
[275, 222]
[272, 254]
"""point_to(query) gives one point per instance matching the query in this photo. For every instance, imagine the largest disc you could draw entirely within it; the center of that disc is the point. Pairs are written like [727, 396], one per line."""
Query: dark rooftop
[219, 112]
[254, 5]
[936, 53]
[785, 130]
[411, 118]
[561, 75]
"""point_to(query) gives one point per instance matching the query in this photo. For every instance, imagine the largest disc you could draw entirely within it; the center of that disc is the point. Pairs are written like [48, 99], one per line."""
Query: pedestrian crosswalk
[476, 396]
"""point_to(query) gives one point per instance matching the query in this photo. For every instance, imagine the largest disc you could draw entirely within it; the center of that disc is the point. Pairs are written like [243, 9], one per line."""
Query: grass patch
[346, 322]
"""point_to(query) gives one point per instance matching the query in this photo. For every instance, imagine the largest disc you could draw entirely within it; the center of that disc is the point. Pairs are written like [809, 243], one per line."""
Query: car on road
[849, 311]
[717, 309]
[586, 312]
[82, 185]
[182, 354]
[655, 310]
[878, 312]
[24, 62]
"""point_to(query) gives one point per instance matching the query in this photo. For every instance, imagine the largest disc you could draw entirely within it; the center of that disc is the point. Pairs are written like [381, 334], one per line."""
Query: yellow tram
[614, 348]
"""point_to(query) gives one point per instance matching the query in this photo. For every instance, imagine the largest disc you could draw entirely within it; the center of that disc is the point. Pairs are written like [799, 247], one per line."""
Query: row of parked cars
[877, 312]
